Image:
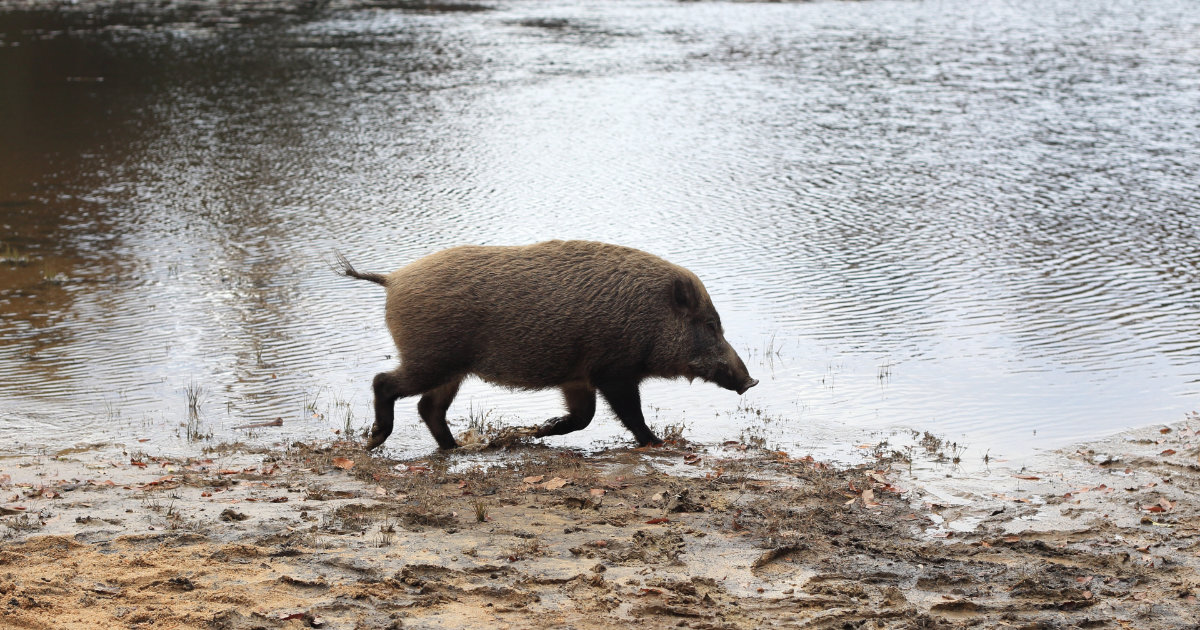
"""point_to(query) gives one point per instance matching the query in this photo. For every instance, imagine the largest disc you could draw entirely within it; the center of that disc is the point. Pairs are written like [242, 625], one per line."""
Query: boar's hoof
[377, 438]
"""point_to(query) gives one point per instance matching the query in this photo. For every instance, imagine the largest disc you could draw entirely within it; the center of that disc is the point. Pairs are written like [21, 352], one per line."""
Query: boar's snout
[729, 371]
[747, 385]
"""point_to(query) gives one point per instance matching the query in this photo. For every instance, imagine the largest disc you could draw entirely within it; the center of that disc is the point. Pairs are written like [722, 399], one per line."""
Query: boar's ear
[684, 295]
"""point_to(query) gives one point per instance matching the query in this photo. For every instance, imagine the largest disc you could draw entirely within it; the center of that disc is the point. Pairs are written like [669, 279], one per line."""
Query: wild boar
[576, 315]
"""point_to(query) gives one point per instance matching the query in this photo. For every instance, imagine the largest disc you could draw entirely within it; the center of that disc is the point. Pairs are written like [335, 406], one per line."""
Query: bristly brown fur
[575, 315]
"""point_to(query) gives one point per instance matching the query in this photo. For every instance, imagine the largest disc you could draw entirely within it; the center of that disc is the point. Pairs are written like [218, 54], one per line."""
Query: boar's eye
[712, 327]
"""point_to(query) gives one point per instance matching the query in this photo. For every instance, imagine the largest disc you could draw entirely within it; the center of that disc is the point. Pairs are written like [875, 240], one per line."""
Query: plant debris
[535, 537]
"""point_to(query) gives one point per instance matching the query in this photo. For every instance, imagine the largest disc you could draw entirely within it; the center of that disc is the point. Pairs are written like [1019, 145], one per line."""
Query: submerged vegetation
[10, 256]
[195, 394]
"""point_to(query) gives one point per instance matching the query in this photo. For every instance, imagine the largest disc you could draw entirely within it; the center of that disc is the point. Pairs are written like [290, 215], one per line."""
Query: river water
[979, 219]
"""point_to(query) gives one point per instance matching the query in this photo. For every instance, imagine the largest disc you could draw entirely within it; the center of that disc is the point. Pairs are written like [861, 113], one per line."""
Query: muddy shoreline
[525, 536]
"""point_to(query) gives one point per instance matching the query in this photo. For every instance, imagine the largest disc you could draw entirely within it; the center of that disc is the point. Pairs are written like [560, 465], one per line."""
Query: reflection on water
[973, 218]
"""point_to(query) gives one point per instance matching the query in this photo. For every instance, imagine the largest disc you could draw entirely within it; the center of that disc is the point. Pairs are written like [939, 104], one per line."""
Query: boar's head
[708, 355]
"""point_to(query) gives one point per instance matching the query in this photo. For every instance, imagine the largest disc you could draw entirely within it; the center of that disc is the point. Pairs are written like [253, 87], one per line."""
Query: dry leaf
[555, 483]
[597, 492]
[534, 478]
[1169, 451]
[1027, 477]
[343, 463]
[656, 521]
[1011, 539]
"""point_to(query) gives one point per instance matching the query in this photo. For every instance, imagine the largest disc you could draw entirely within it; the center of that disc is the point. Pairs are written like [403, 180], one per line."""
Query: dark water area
[974, 218]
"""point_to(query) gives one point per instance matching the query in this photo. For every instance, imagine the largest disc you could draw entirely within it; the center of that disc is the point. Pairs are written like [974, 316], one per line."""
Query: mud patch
[538, 537]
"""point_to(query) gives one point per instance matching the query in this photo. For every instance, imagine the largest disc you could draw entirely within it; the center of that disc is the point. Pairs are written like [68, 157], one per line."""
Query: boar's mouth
[747, 385]
[727, 379]
[729, 374]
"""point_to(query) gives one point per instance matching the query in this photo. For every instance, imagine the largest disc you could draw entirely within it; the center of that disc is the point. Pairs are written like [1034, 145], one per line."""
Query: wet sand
[524, 536]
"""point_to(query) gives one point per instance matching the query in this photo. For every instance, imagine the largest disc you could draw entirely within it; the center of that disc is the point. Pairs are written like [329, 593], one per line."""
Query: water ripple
[997, 200]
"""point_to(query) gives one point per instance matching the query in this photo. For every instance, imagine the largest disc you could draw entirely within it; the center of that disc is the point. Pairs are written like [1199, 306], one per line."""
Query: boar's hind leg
[433, 406]
[581, 407]
[626, 402]
[399, 383]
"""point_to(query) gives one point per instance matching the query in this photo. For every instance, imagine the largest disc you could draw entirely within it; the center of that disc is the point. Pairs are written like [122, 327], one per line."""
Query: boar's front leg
[626, 402]
[581, 407]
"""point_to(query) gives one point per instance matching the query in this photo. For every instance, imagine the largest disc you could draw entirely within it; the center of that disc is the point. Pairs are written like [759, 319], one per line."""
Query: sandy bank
[532, 537]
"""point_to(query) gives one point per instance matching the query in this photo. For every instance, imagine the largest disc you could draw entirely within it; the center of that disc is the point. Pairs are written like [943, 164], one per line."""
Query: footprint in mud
[651, 548]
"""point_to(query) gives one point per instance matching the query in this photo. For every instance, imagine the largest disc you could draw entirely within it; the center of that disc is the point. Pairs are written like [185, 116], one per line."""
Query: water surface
[975, 218]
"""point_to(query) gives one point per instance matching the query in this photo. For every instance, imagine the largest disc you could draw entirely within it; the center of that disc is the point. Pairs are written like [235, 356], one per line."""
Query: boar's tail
[346, 269]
